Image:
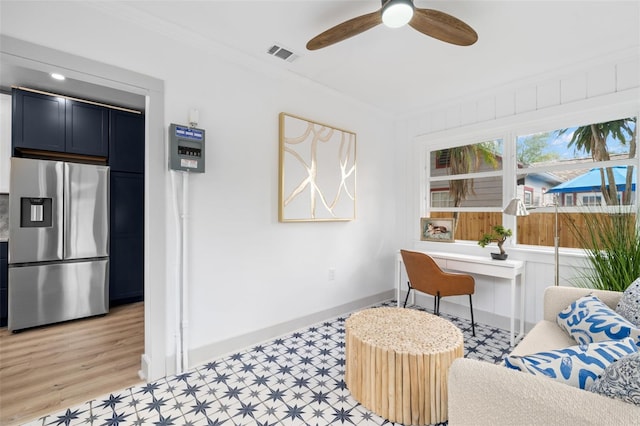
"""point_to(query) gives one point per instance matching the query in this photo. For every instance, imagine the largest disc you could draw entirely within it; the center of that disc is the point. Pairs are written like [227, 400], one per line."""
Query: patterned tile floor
[293, 380]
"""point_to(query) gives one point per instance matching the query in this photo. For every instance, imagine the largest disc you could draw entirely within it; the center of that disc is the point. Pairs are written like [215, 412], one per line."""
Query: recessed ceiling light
[57, 76]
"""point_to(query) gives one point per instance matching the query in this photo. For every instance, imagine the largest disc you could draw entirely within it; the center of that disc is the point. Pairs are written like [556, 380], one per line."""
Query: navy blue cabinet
[126, 248]
[4, 279]
[51, 123]
[38, 121]
[126, 160]
[126, 147]
[87, 129]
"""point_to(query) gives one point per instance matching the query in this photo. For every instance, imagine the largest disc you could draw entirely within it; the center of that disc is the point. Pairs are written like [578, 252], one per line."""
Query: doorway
[100, 81]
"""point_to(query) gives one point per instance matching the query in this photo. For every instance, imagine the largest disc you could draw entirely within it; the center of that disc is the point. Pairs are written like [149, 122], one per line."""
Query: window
[441, 198]
[569, 200]
[579, 167]
[469, 180]
[591, 200]
[573, 168]
[442, 159]
[472, 176]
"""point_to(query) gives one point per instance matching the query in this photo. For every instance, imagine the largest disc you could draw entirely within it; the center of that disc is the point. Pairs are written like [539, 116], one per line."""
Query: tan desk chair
[426, 276]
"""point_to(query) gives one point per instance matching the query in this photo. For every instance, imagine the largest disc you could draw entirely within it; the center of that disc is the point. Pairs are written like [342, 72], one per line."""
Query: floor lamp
[556, 241]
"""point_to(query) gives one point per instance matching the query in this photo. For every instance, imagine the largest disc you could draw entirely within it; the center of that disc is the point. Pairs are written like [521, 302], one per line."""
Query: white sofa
[481, 393]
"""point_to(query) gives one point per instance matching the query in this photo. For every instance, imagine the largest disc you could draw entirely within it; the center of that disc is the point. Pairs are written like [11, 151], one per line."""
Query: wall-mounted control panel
[186, 148]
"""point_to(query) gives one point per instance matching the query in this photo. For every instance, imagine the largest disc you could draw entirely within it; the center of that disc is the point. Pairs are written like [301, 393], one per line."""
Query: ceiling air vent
[282, 53]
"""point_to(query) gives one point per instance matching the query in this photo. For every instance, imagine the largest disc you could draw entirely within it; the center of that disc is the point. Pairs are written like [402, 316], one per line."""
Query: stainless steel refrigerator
[58, 242]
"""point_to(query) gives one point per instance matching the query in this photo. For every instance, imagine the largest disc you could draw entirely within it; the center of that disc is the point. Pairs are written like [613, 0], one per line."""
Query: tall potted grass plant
[611, 241]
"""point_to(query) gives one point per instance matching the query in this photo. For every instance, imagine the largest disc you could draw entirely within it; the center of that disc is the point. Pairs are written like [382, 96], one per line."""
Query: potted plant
[610, 239]
[498, 235]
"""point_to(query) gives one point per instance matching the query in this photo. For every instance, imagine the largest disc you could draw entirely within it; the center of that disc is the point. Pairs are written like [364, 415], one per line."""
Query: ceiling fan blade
[345, 30]
[444, 27]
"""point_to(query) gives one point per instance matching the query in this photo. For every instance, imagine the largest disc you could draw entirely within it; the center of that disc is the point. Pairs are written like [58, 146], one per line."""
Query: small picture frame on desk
[440, 230]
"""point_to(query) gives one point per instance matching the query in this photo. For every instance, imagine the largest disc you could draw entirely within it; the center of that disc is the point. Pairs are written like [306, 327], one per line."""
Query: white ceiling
[401, 70]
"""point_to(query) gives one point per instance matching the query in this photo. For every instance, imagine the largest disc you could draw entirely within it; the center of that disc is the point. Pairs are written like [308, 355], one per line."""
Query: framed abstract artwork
[437, 229]
[317, 171]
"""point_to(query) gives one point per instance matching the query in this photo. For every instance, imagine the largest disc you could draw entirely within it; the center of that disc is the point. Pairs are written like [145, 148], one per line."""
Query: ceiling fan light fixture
[396, 13]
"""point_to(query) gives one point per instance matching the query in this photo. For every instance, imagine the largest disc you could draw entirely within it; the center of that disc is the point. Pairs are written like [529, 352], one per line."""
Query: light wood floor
[47, 369]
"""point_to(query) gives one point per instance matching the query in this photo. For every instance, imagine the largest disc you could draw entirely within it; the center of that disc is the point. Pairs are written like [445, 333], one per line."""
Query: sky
[560, 144]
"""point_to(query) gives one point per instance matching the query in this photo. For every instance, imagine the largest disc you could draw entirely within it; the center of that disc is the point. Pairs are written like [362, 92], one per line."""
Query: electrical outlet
[332, 274]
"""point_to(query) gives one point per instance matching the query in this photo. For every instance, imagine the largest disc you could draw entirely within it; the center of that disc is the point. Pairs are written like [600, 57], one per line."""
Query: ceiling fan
[396, 13]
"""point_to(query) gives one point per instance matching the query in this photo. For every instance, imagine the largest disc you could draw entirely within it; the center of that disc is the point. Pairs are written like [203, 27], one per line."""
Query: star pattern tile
[293, 380]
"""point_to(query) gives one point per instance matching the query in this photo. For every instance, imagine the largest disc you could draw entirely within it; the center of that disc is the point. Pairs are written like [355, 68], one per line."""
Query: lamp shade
[396, 13]
[516, 208]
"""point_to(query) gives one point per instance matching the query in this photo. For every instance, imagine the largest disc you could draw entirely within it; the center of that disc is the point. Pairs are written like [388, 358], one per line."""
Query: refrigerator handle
[66, 221]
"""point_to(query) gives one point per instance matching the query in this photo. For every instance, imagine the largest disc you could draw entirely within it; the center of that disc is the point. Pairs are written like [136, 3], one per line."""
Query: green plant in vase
[498, 235]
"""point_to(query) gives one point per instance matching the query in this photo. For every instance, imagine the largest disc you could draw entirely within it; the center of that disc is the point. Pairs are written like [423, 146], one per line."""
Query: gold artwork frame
[317, 171]
[437, 229]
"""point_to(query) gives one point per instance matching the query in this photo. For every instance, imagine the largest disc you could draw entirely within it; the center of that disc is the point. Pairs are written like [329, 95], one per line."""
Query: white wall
[248, 272]
[601, 89]
[5, 144]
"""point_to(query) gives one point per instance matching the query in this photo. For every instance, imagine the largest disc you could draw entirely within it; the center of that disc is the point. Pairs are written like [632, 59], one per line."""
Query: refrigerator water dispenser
[36, 212]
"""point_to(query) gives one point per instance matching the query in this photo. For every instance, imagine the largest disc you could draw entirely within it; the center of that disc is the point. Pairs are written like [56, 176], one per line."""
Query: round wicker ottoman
[397, 361]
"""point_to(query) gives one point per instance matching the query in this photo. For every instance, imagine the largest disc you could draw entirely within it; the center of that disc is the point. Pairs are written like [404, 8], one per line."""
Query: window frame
[508, 130]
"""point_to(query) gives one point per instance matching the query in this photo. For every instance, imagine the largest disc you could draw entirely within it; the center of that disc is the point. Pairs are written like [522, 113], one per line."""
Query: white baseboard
[143, 373]
[210, 352]
[204, 354]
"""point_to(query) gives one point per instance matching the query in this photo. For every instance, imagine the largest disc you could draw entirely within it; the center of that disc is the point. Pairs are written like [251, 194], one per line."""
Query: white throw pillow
[590, 320]
[577, 366]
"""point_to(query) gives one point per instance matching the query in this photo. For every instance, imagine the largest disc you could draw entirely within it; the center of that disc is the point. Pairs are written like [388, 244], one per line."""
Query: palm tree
[463, 160]
[593, 140]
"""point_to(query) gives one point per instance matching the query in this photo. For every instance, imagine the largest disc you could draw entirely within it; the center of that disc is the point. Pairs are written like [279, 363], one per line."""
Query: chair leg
[408, 291]
[436, 301]
[473, 327]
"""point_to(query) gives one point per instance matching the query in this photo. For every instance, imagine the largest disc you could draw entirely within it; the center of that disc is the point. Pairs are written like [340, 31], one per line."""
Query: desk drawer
[492, 270]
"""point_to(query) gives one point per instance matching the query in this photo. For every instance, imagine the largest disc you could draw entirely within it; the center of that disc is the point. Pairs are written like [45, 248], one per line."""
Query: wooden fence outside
[537, 229]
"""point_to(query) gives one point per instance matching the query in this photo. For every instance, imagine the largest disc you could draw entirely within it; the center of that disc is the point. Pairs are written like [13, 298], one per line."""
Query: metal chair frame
[436, 306]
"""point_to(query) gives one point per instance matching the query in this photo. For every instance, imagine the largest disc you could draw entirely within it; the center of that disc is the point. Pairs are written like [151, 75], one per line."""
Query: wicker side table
[397, 362]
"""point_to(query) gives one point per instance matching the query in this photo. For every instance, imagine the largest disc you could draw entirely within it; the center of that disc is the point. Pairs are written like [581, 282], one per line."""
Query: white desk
[481, 265]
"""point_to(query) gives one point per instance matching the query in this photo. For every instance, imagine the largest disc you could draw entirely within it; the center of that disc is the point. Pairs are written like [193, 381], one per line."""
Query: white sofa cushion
[485, 394]
[544, 336]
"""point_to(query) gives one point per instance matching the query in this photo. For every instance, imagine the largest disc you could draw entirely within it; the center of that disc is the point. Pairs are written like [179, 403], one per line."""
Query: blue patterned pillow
[589, 320]
[629, 304]
[620, 380]
[577, 366]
